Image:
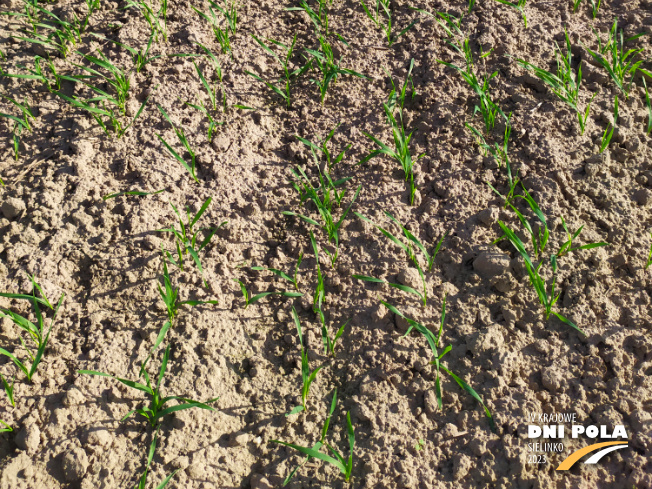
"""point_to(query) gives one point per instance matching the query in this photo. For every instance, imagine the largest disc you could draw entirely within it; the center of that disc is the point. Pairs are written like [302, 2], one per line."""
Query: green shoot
[330, 68]
[622, 67]
[170, 295]
[157, 21]
[24, 109]
[292, 279]
[567, 247]
[250, 299]
[539, 238]
[401, 152]
[38, 74]
[131, 192]
[321, 441]
[452, 25]
[9, 389]
[518, 5]
[649, 257]
[140, 57]
[499, 152]
[433, 342]
[186, 236]
[609, 131]
[409, 248]
[565, 84]
[487, 108]
[385, 24]
[321, 147]
[649, 108]
[594, 6]
[116, 78]
[223, 36]
[36, 332]
[156, 410]
[142, 482]
[345, 466]
[324, 197]
[181, 135]
[6, 429]
[307, 376]
[319, 18]
[320, 290]
[285, 83]
[547, 300]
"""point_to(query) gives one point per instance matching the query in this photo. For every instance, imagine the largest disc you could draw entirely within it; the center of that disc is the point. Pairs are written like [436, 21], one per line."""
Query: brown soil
[105, 256]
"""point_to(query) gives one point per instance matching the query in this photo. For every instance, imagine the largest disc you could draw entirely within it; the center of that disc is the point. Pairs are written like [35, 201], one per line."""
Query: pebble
[12, 206]
[491, 263]
[29, 438]
[75, 464]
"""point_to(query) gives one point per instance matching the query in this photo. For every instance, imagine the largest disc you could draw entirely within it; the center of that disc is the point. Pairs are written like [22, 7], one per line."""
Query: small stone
[73, 397]
[101, 438]
[642, 196]
[180, 463]
[489, 340]
[552, 379]
[491, 263]
[411, 278]
[75, 464]
[461, 466]
[449, 431]
[430, 405]
[238, 439]
[488, 216]
[12, 206]
[29, 438]
[259, 481]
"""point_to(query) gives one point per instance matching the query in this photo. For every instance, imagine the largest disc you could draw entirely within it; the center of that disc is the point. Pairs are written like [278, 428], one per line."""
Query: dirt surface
[105, 256]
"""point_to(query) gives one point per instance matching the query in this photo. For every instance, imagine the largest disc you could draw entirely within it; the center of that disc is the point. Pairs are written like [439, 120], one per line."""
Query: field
[367, 239]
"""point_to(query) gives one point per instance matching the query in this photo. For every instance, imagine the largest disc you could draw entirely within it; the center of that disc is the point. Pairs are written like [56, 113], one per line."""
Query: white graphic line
[595, 458]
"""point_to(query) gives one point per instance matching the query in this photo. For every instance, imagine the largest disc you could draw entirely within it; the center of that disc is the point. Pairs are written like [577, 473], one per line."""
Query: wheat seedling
[6, 429]
[433, 342]
[487, 107]
[142, 482]
[38, 74]
[609, 131]
[547, 300]
[383, 8]
[324, 197]
[409, 248]
[36, 332]
[288, 75]
[321, 147]
[181, 135]
[321, 441]
[292, 279]
[251, 298]
[649, 108]
[565, 84]
[344, 465]
[649, 257]
[156, 410]
[9, 389]
[319, 18]
[622, 67]
[330, 68]
[307, 376]
[518, 5]
[223, 36]
[452, 25]
[186, 236]
[401, 151]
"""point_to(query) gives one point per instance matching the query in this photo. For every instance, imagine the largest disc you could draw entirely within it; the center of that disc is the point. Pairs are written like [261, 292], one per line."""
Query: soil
[105, 256]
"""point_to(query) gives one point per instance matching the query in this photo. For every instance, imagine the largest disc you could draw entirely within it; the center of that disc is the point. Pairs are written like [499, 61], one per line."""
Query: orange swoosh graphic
[575, 456]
